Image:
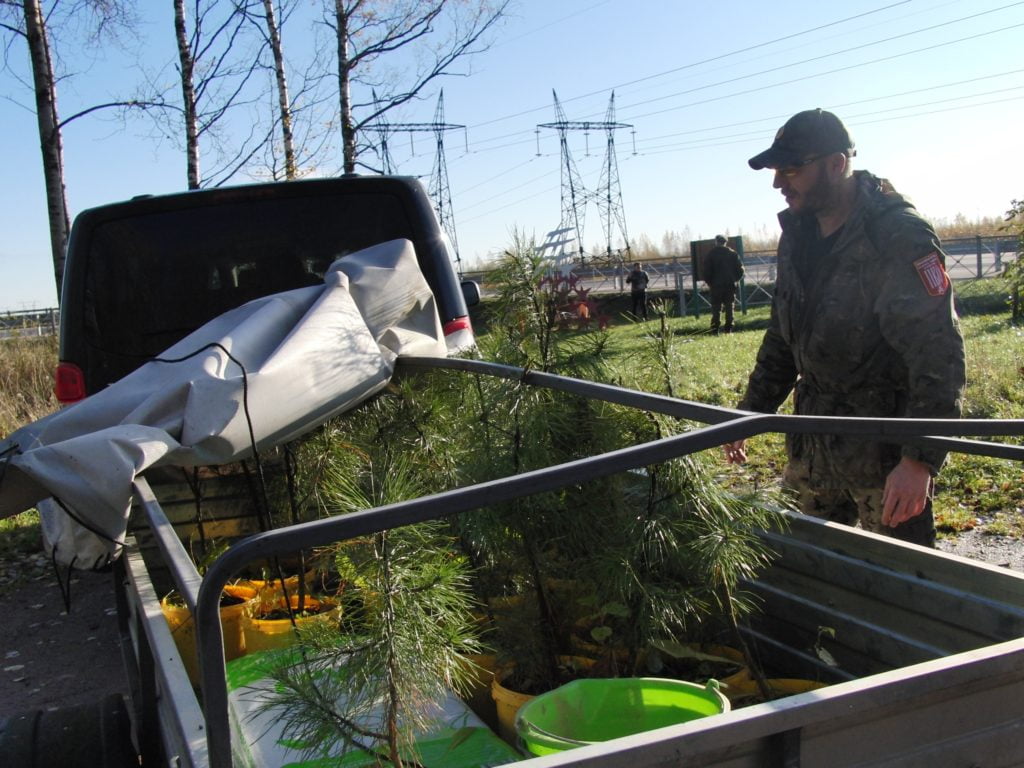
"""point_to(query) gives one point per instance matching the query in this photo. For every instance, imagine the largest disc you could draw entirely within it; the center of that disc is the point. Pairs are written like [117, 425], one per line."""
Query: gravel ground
[997, 550]
[53, 657]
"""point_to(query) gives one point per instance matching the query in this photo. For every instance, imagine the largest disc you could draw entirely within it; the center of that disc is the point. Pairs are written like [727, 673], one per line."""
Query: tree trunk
[348, 131]
[49, 135]
[188, 93]
[282, 90]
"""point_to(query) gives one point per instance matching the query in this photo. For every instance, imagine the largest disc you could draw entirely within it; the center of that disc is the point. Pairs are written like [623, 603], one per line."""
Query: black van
[141, 275]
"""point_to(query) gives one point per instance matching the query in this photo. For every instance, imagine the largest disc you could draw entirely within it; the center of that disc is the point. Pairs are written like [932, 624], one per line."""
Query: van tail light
[458, 324]
[458, 336]
[70, 383]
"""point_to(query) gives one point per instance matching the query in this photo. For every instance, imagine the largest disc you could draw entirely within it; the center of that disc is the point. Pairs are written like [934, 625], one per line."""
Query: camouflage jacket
[722, 268]
[873, 333]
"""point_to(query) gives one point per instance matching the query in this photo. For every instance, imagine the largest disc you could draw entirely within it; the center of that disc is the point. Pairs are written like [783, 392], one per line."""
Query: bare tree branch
[218, 58]
[130, 104]
[369, 30]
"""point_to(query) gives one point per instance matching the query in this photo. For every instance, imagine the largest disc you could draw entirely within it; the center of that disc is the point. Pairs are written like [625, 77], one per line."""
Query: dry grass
[26, 394]
[26, 381]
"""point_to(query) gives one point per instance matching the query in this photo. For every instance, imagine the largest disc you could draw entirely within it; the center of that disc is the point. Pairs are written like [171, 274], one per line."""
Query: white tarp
[281, 364]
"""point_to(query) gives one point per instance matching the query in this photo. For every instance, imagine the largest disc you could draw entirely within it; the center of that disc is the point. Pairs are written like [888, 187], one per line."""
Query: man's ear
[838, 165]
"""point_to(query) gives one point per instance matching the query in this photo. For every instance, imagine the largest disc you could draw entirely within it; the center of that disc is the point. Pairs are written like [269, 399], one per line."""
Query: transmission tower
[608, 193]
[575, 196]
[438, 188]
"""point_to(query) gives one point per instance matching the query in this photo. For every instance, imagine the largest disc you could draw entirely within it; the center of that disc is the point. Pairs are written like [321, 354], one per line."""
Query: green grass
[19, 535]
[972, 492]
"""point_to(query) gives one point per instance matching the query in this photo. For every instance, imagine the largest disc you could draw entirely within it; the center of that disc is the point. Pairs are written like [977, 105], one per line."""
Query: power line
[773, 119]
[697, 63]
[532, 196]
[589, 9]
[794, 80]
[832, 54]
[824, 40]
[717, 141]
[816, 75]
[713, 141]
[506, 190]
[494, 177]
[684, 146]
[476, 146]
[777, 117]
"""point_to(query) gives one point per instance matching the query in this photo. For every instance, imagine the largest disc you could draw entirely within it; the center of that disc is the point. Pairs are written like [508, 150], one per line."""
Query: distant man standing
[722, 273]
[638, 280]
[862, 324]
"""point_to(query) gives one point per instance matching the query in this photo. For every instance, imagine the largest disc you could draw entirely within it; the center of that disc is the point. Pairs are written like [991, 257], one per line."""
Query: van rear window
[152, 279]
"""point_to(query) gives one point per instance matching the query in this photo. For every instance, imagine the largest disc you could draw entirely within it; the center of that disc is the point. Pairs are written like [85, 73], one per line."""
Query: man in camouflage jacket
[862, 324]
[722, 272]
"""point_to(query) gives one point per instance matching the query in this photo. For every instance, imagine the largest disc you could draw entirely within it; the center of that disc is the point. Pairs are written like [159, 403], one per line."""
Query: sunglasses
[792, 170]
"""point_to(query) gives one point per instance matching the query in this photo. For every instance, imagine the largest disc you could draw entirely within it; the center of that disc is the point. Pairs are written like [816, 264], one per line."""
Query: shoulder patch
[933, 275]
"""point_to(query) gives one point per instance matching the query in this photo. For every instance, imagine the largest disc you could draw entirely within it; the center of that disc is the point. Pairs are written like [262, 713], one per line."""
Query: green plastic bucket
[591, 710]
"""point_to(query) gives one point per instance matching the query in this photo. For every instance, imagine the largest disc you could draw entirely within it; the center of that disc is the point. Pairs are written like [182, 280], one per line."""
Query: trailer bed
[925, 650]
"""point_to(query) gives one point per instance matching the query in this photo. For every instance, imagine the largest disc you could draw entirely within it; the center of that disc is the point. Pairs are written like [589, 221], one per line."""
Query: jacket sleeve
[918, 320]
[774, 373]
[708, 270]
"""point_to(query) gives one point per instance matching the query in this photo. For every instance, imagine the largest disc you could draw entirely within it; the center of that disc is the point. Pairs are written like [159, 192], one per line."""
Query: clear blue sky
[932, 91]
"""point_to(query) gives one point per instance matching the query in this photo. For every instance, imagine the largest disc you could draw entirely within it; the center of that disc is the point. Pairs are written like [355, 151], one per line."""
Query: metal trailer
[930, 646]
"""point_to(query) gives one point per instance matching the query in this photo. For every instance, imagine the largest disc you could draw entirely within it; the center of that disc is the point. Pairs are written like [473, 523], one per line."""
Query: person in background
[862, 324]
[722, 273]
[638, 280]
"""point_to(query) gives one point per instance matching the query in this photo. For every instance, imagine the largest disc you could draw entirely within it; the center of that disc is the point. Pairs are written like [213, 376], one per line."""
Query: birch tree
[27, 21]
[218, 59]
[435, 33]
[299, 135]
[281, 79]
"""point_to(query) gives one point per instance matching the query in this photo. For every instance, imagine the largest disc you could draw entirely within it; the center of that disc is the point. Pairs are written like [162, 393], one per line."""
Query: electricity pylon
[438, 189]
[575, 196]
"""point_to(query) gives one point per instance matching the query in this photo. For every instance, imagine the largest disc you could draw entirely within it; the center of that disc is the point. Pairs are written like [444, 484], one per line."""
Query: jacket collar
[875, 196]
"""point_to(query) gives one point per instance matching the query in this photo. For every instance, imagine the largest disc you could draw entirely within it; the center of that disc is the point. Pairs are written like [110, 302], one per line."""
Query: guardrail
[969, 258]
[25, 323]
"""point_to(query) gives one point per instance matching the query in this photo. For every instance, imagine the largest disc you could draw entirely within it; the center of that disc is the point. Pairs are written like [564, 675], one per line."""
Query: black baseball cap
[806, 135]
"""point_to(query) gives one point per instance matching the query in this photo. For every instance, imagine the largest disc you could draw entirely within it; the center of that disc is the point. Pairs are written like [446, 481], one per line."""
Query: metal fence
[29, 323]
[969, 258]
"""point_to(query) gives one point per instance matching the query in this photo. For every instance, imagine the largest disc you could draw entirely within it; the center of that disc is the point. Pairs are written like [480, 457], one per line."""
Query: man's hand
[906, 491]
[735, 453]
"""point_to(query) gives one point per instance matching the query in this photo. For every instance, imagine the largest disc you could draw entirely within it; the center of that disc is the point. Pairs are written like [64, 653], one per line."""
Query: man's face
[807, 188]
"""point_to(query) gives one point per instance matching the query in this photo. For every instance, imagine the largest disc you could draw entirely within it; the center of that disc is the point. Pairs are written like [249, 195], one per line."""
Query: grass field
[972, 491]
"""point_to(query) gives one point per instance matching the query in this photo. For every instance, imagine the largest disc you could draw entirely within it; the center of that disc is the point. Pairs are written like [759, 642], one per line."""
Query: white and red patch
[932, 272]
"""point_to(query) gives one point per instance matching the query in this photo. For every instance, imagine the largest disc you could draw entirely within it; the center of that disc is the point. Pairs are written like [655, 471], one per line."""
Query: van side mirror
[470, 292]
